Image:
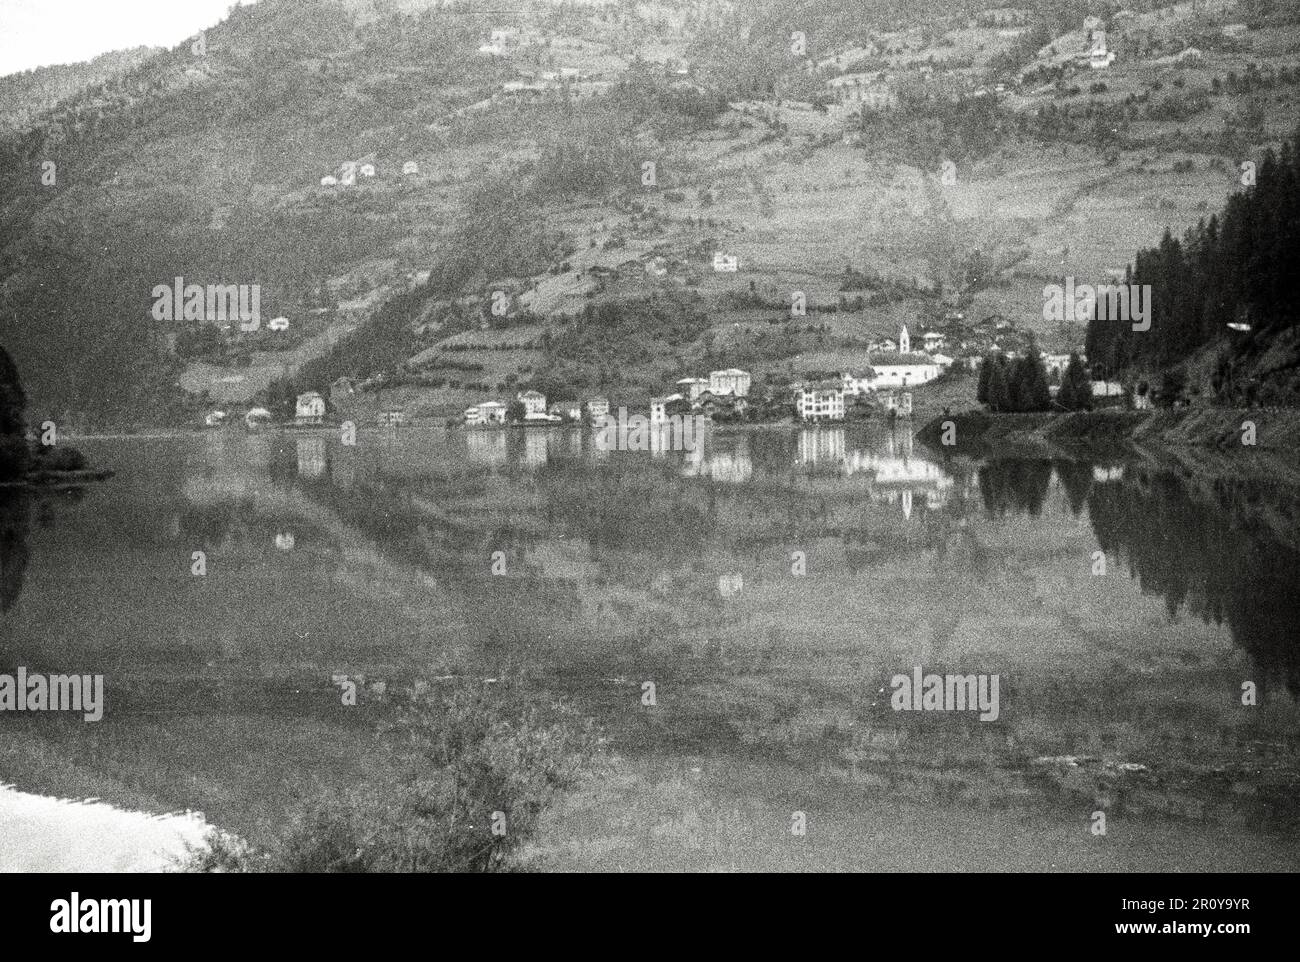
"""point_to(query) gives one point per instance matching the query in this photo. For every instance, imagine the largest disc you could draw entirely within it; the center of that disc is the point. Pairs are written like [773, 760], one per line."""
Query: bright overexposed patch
[42, 834]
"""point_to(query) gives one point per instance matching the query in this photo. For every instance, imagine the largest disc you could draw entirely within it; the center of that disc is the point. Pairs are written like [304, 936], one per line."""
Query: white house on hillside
[310, 409]
[731, 381]
[693, 387]
[903, 373]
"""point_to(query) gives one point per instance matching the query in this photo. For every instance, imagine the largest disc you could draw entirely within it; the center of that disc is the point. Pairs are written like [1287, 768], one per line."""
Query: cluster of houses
[721, 390]
[536, 411]
[347, 174]
[726, 392]
[893, 370]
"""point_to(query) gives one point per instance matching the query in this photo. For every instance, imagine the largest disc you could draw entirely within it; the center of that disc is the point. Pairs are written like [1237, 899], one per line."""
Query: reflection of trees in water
[15, 522]
[1076, 479]
[1015, 485]
[1189, 552]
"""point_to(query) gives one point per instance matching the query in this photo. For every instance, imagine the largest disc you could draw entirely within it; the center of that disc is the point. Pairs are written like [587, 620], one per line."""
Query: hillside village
[610, 197]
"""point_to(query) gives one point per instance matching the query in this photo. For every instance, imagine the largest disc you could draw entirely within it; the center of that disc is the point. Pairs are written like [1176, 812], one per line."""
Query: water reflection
[1212, 551]
[683, 563]
[15, 523]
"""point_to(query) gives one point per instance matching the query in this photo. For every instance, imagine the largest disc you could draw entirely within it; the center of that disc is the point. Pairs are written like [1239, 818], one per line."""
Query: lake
[734, 618]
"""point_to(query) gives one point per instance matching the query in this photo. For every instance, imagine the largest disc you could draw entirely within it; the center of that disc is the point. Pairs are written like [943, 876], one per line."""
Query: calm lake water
[769, 584]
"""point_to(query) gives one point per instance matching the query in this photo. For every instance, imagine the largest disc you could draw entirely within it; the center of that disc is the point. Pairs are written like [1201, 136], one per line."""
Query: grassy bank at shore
[1272, 430]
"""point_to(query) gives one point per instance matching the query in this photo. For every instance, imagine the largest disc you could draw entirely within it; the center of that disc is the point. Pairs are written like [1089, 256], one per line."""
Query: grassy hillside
[533, 191]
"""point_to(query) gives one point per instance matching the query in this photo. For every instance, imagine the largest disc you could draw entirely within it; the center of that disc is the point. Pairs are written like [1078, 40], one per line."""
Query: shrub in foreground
[478, 773]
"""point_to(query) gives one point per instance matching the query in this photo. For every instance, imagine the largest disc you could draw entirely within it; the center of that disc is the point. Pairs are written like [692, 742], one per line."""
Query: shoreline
[1228, 431]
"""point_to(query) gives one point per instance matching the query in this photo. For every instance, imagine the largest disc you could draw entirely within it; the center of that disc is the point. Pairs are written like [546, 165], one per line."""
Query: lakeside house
[899, 403]
[391, 418]
[309, 409]
[535, 406]
[597, 407]
[534, 402]
[820, 401]
[489, 412]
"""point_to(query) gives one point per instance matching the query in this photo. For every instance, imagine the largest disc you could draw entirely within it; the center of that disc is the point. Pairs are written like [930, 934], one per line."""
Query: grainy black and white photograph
[680, 436]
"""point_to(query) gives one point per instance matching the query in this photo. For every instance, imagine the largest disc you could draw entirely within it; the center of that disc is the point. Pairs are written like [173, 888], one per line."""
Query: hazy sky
[35, 33]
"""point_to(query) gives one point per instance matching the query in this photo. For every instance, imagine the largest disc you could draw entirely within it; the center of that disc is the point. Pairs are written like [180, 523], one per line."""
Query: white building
[534, 404]
[693, 387]
[597, 407]
[367, 170]
[727, 263]
[309, 409]
[900, 402]
[489, 412]
[410, 167]
[933, 341]
[731, 381]
[857, 383]
[659, 408]
[820, 402]
[904, 375]
[278, 324]
[329, 181]
[257, 418]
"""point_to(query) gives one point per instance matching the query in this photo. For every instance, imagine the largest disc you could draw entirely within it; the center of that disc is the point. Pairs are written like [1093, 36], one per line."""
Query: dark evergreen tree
[999, 389]
[1031, 391]
[1076, 389]
[14, 455]
[13, 400]
[1234, 268]
[982, 389]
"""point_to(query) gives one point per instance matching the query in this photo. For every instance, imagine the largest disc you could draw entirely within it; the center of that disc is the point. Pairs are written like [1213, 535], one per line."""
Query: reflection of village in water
[889, 465]
[686, 560]
[1134, 512]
